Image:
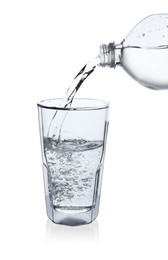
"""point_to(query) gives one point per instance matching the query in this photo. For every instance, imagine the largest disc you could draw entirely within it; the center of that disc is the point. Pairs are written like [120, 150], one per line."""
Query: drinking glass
[73, 162]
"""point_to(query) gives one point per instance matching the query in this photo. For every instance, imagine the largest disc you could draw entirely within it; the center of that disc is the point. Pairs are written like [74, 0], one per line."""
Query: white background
[43, 44]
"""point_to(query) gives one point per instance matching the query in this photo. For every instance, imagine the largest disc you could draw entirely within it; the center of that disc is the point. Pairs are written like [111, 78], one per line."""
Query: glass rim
[103, 104]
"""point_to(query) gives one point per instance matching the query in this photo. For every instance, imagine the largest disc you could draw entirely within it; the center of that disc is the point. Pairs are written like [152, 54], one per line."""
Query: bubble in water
[72, 185]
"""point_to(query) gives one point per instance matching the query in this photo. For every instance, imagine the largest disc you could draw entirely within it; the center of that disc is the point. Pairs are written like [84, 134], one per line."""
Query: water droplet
[167, 26]
[143, 35]
[163, 36]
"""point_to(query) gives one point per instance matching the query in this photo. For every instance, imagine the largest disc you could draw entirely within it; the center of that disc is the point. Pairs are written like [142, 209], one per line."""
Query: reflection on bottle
[66, 234]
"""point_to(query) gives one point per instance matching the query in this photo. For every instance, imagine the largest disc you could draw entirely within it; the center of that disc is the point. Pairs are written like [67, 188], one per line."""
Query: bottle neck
[110, 55]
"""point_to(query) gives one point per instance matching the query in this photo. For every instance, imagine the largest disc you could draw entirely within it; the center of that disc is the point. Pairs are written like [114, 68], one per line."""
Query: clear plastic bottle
[143, 54]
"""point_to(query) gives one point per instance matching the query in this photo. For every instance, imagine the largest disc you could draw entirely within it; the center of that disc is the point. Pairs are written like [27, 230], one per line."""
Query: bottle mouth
[107, 55]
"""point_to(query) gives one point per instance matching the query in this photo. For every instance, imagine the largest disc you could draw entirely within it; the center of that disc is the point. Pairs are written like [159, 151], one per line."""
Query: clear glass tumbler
[73, 163]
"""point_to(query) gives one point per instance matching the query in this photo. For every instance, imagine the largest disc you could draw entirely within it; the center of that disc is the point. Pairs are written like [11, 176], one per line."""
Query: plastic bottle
[143, 54]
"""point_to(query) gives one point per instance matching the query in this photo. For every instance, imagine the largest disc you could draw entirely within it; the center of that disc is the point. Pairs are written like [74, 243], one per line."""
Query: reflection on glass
[80, 234]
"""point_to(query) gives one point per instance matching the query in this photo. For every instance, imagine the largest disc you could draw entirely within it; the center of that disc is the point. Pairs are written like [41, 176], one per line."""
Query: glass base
[72, 219]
